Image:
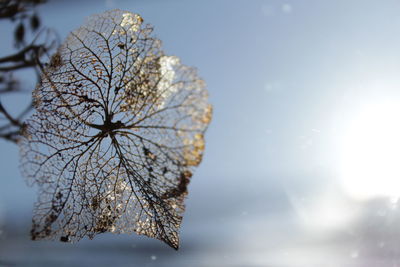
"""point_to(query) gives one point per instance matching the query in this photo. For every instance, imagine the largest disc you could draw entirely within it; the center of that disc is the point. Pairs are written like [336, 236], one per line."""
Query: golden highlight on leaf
[117, 132]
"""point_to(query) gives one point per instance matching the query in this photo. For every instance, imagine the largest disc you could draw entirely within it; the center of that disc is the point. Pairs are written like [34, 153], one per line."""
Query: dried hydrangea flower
[117, 131]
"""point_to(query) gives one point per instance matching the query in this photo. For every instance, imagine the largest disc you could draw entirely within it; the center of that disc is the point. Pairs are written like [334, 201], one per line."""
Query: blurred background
[302, 157]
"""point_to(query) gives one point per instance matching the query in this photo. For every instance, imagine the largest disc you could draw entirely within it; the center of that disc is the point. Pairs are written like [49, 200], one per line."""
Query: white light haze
[369, 164]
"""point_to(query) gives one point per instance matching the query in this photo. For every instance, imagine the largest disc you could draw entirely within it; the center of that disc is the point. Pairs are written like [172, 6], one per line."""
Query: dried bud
[19, 34]
[35, 22]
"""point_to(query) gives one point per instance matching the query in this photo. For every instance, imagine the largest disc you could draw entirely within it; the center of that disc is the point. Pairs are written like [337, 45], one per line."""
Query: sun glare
[370, 152]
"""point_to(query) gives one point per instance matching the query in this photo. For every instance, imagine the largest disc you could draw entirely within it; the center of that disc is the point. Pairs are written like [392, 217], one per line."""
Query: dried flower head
[117, 131]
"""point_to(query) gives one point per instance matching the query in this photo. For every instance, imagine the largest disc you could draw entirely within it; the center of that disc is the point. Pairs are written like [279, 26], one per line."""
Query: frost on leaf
[117, 131]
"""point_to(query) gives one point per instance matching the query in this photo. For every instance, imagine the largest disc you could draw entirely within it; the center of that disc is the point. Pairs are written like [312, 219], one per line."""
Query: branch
[8, 116]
